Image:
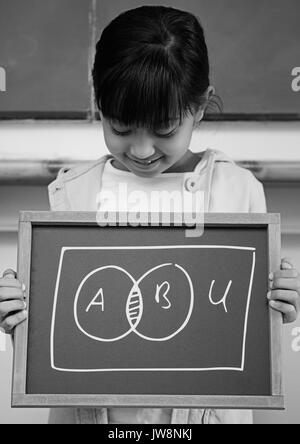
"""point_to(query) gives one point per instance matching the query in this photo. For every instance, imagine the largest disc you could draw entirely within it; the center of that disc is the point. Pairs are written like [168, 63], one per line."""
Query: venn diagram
[111, 304]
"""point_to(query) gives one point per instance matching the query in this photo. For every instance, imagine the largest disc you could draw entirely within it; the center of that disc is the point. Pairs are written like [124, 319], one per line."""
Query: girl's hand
[12, 304]
[285, 294]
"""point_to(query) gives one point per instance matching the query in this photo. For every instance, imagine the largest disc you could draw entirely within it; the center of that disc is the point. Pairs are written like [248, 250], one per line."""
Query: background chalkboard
[47, 47]
[44, 49]
[212, 338]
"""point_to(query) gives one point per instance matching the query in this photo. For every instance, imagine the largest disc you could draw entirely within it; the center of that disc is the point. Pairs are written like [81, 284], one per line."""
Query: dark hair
[151, 67]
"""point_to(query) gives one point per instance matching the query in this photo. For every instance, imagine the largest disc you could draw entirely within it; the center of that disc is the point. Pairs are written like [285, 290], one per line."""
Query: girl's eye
[126, 133]
[121, 133]
[165, 136]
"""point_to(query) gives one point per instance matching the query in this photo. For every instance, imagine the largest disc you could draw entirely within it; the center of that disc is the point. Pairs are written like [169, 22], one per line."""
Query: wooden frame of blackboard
[21, 399]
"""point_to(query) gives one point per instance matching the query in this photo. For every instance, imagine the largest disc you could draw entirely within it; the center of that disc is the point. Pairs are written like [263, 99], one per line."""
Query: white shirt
[124, 191]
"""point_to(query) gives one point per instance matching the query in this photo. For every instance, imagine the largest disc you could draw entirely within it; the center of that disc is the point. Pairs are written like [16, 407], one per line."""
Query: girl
[151, 79]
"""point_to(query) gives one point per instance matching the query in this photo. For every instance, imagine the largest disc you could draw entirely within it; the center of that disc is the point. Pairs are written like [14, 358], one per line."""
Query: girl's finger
[11, 322]
[285, 284]
[10, 273]
[285, 274]
[288, 296]
[288, 311]
[11, 306]
[7, 282]
[9, 293]
[286, 263]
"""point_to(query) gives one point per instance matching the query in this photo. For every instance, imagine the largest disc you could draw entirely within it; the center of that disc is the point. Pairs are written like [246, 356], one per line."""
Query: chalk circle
[132, 326]
[190, 310]
[134, 305]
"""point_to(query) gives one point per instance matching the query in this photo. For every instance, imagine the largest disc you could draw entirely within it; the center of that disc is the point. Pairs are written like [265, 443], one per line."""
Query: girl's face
[146, 153]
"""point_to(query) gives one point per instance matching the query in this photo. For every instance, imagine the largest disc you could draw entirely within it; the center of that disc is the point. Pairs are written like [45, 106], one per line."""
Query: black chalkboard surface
[124, 315]
[47, 49]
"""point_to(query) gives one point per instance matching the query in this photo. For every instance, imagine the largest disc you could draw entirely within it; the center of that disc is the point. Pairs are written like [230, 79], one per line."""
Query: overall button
[190, 184]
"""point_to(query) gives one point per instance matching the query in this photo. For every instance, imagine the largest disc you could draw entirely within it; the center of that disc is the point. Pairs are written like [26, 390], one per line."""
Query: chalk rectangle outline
[237, 369]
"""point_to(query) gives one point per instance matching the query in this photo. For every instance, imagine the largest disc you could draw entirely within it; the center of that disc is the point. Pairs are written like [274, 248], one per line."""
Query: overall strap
[210, 164]
[74, 189]
[201, 179]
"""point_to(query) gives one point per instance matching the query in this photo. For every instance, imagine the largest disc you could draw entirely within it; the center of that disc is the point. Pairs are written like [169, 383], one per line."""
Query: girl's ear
[210, 92]
[207, 96]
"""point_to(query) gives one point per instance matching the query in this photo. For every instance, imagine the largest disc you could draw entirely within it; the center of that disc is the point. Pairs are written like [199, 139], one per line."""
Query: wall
[281, 198]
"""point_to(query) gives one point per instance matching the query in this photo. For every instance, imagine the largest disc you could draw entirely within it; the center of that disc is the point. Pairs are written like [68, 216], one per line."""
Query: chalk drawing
[224, 299]
[134, 306]
[93, 303]
[86, 333]
[134, 309]
[166, 291]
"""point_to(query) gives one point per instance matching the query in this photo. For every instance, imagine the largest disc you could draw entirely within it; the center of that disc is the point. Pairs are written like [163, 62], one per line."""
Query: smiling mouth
[145, 162]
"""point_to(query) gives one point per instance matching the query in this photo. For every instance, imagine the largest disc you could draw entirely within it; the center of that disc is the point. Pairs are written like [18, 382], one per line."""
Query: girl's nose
[142, 152]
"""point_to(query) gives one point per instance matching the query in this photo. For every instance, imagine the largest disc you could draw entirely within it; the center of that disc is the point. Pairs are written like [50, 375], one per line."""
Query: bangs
[147, 93]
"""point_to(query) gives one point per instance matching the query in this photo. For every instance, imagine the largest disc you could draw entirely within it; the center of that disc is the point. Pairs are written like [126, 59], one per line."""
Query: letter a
[100, 292]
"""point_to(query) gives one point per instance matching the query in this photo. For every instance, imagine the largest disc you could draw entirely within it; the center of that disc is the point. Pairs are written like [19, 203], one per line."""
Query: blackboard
[124, 315]
[47, 50]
